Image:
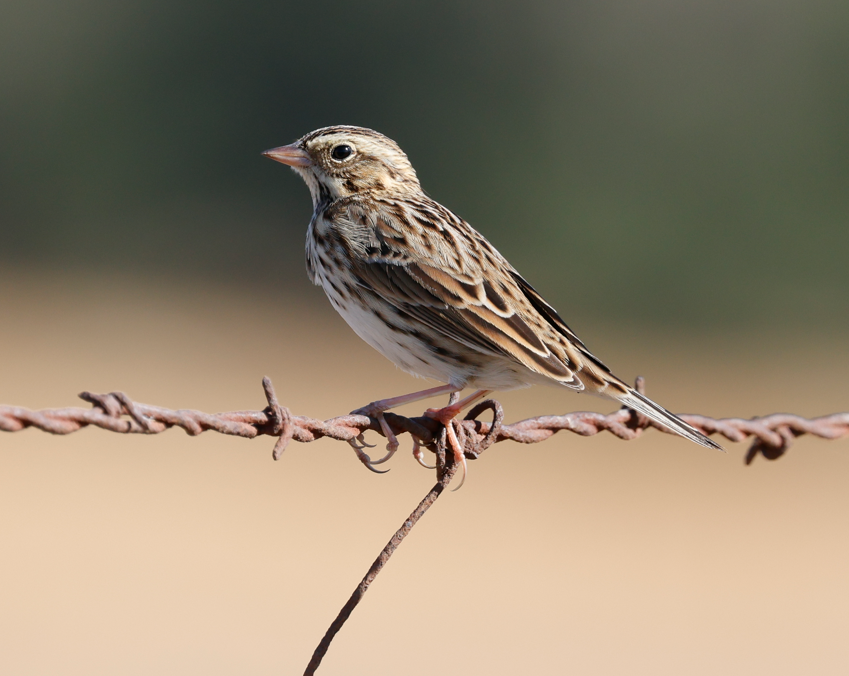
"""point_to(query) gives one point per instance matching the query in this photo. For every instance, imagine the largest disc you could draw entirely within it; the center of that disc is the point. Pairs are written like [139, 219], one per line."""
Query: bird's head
[342, 161]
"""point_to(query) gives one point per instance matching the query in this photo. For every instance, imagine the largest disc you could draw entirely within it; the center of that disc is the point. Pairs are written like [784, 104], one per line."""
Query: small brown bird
[422, 287]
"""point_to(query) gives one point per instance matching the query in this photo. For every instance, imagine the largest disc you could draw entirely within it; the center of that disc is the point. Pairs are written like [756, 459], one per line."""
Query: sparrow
[429, 292]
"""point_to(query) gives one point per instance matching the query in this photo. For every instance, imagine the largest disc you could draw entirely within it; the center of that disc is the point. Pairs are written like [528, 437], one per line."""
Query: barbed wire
[772, 434]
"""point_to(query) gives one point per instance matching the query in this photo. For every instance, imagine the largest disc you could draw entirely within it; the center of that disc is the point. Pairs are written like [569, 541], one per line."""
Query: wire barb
[280, 419]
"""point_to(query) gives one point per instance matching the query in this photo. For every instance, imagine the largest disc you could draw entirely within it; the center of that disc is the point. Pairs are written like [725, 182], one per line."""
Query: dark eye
[341, 152]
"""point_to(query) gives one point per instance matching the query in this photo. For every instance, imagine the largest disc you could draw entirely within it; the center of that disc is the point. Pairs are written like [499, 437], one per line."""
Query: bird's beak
[290, 154]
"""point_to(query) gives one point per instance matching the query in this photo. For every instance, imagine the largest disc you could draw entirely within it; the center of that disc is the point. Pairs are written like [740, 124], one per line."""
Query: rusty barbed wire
[772, 434]
[116, 412]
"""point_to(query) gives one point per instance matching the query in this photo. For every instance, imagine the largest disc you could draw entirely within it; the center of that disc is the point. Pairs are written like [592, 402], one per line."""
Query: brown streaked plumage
[428, 291]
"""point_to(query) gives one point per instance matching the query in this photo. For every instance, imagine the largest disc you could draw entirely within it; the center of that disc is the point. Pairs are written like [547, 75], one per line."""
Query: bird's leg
[445, 415]
[452, 410]
[376, 409]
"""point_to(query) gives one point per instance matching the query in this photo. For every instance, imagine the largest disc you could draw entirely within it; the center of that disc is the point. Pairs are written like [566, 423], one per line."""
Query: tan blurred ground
[179, 555]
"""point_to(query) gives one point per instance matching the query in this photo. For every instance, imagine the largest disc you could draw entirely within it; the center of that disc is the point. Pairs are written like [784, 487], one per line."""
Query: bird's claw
[359, 442]
[391, 439]
[390, 451]
[418, 455]
[364, 458]
[373, 411]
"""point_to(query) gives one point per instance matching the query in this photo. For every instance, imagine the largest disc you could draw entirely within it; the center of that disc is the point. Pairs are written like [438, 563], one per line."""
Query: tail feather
[660, 415]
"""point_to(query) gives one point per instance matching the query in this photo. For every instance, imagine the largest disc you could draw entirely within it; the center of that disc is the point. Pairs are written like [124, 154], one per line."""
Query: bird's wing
[395, 284]
[439, 271]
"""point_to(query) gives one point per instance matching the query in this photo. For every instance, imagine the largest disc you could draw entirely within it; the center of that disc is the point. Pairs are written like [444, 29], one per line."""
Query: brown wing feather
[553, 318]
[452, 295]
[397, 286]
[544, 309]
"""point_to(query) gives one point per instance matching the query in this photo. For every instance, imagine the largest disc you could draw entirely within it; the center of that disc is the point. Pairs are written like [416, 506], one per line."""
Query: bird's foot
[446, 416]
[375, 410]
[358, 444]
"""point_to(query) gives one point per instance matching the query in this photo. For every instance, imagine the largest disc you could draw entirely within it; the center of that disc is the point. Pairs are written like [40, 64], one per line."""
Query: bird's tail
[642, 404]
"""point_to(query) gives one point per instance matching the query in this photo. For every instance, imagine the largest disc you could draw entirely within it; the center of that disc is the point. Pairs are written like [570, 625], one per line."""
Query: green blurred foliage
[672, 162]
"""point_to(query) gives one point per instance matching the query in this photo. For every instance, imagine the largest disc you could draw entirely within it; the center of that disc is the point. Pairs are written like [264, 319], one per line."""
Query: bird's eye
[341, 152]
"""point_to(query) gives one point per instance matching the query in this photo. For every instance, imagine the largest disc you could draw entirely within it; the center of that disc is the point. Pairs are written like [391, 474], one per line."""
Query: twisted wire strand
[772, 434]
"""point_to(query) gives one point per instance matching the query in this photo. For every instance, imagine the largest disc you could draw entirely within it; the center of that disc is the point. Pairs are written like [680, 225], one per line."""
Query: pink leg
[377, 408]
[452, 410]
[445, 416]
[386, 404]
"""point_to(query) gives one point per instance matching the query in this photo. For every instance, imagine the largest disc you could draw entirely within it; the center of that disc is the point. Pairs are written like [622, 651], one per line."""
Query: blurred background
[673, 177]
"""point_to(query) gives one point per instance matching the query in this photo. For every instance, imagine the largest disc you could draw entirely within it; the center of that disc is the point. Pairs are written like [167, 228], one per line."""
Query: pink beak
[290, 154]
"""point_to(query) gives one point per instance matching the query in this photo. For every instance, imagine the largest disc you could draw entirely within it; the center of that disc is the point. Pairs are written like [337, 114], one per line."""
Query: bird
[429, 292]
